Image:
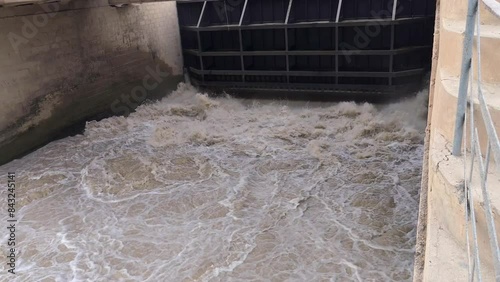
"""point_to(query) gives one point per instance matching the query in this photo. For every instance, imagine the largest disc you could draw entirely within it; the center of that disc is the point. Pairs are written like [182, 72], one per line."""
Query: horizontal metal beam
[311, 73]
[313, 87]
[307, 52]
[362, 22]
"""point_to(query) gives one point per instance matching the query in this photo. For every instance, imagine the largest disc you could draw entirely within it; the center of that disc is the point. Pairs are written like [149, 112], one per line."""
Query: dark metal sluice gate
[367, 46]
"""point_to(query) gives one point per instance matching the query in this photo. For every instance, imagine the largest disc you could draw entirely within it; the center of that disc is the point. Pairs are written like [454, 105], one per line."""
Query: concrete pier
[442, 247]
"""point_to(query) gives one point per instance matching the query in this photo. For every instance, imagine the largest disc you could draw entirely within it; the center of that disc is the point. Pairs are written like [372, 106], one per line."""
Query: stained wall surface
[71, 61]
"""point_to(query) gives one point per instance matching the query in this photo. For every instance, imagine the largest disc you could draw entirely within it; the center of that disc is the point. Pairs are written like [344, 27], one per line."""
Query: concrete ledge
[452, 35]
[446, 252]
[446, 101]
[445, 259]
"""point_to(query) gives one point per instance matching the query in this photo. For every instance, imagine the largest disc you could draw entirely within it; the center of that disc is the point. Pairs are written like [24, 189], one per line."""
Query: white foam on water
[193, 188]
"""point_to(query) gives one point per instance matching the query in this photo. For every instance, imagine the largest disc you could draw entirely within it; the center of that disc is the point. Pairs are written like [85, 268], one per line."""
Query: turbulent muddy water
[199, 189]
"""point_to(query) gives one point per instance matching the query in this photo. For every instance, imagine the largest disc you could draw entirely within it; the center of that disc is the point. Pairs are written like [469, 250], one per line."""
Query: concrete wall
[442, 244]
[66, 62]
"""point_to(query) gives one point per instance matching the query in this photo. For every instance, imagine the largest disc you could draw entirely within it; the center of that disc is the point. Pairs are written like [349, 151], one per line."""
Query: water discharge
[193, 188]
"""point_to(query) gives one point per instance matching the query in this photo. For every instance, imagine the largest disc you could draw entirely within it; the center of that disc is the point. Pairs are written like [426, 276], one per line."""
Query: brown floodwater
[193, 188]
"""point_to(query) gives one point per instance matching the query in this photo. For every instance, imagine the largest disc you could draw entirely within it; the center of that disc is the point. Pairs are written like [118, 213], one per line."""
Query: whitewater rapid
[193, 188]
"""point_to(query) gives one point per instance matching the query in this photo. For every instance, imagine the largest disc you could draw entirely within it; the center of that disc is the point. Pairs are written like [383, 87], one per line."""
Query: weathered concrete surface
[62, 63]
[442, 246]
[419, 263]
[19, 2]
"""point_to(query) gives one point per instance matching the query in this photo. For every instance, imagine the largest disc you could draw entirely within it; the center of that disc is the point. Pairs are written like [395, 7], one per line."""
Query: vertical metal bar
[490, 223]
[393, 31]
[472, 124]
[466, 208]
[200, 48]
[464, 77]
[287, 57]
[287, 43]
[492, 136]
[467, 68]
[394, 9]
[330, 16]
[337, 18]
[339, 8]
[288, 12]
[490, 129]
[488, 158]
[474, 233]
[337, 54]
[467, 182]
[201, 14]
[201, 56]
[391, 58]
[242, 59]
[477, 262]
[485, 112]
[243, 13]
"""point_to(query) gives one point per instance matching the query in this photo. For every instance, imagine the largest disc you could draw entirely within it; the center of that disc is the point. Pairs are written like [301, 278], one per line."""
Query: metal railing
[468, 93]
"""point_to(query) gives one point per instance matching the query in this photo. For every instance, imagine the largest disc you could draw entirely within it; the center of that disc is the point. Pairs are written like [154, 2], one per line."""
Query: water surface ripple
[199, 189]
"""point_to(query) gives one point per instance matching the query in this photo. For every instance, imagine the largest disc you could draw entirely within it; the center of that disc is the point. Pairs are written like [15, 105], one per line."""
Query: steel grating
[326, 45]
